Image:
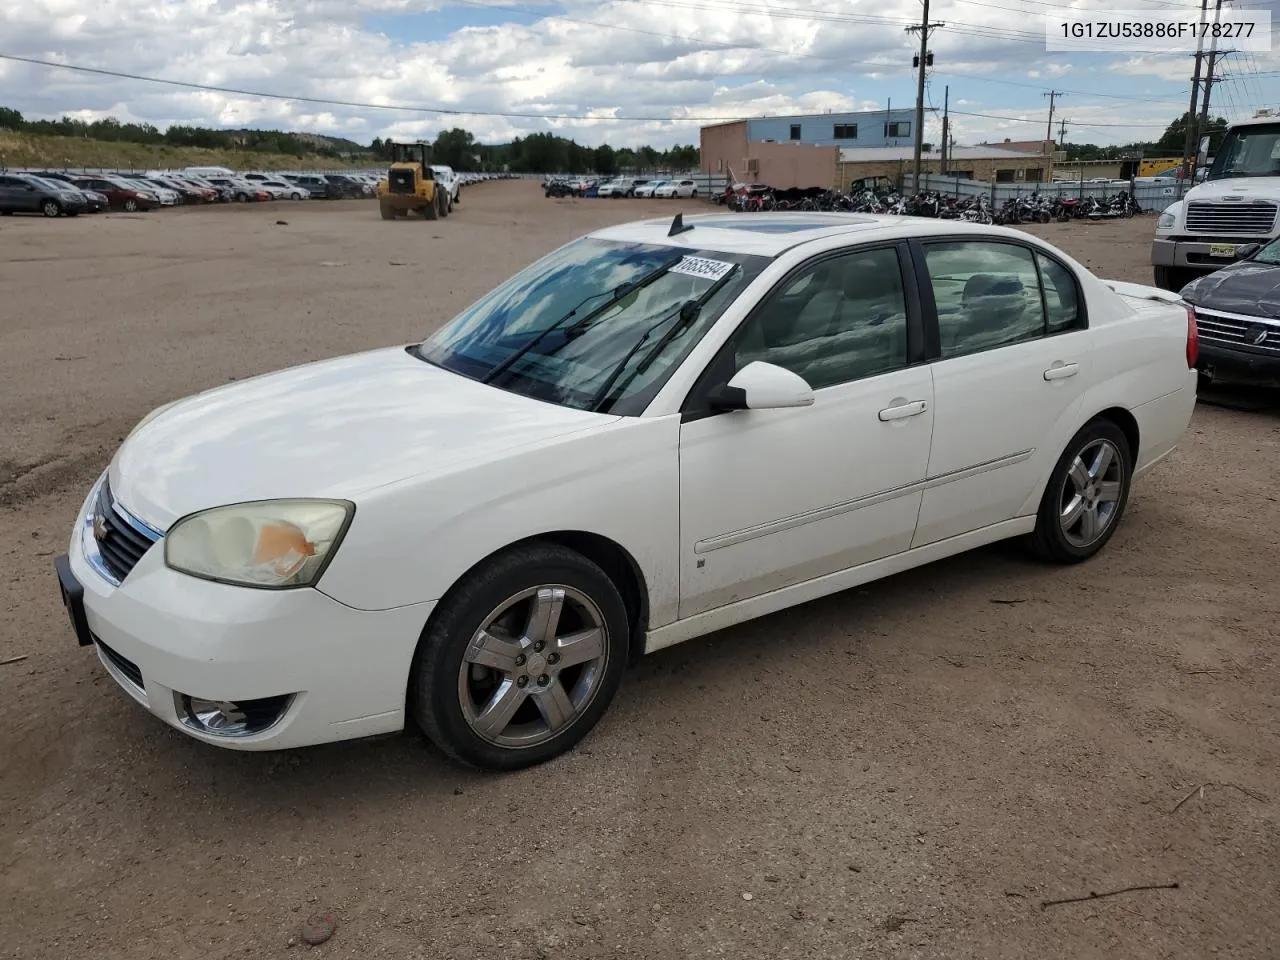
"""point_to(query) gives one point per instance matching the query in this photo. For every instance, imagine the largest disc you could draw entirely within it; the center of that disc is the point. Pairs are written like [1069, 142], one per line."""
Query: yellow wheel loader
[411, 186]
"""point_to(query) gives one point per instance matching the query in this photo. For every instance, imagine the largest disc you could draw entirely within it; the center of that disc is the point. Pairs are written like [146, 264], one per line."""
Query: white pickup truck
[1218, 221]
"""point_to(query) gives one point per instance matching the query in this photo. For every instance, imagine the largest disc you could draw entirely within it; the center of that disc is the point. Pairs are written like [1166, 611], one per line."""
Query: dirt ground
[904, 770]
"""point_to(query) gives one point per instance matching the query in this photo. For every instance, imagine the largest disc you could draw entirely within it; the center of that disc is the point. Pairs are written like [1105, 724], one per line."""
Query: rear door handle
[1060, 371]
[902, 411]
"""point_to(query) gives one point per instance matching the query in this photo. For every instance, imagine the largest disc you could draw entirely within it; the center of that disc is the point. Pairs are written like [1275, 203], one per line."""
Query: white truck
[1219, 220]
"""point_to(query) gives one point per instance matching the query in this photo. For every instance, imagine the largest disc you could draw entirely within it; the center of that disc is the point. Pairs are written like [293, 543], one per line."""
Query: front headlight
[1166, 221]
[269, 543]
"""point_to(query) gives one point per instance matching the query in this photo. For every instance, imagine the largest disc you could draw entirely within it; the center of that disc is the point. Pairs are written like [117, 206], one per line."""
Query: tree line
[1170, 144]
[547, 153]
[180, 135]
[536, 153]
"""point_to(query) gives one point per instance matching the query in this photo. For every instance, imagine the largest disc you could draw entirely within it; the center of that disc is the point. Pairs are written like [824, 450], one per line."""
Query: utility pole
[1195, 88]
[925, 28]
[1203, 125]
[1062, 132]
[1053, 95]
[946, 127]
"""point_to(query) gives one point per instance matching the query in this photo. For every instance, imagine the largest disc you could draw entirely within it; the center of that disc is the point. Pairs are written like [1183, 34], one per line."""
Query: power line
[407, 108]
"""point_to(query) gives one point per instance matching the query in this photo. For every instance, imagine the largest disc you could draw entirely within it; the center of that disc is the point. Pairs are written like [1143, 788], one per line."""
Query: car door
[10, 188]
[21, 196]
[1013, 363]
[771, 498]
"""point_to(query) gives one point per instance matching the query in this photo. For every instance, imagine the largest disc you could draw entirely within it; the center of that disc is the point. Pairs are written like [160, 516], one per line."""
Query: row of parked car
[620, 187]
[62, 193]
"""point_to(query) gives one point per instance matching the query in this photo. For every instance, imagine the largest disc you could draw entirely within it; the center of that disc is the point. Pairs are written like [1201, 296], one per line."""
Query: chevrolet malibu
[656, 431]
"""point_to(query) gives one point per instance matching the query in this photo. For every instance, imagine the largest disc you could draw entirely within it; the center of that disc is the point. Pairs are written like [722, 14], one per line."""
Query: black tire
[51, 208]
[432, 210]
[388, 212]
[1049, 541]
[434, 696]
[446, 206]
[131, 206]
[1173, 279]
[693, 195]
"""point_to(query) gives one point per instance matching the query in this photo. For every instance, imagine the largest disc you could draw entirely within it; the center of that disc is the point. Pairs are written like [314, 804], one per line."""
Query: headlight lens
[1166, 221]
[268, 543]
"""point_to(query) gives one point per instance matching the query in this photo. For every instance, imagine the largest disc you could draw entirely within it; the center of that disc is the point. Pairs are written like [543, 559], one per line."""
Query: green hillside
[31, 150]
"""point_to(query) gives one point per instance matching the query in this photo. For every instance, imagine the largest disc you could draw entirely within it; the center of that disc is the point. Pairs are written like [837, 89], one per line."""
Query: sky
[625, 72]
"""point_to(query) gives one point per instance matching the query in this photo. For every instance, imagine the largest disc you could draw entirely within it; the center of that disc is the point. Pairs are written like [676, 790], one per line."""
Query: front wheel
[131, 206]
[521, 659]
[51, 208]
[1173, 279]
[1086, 495]
[388, 212]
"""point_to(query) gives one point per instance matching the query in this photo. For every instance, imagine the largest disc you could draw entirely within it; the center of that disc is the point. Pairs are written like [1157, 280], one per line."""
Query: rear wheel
[521, 659]
[388, 212]
[1086, 495]
[432, 210]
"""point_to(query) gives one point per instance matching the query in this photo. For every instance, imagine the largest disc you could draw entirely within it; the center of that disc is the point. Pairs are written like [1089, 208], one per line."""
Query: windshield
[577, 354]
[1252, 151]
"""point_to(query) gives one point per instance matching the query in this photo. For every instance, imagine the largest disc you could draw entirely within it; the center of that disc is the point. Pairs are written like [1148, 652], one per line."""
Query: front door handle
[1060, 371]
[904, 410]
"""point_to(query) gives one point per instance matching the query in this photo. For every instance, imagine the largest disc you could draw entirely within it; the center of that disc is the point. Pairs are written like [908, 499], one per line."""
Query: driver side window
[840, 320]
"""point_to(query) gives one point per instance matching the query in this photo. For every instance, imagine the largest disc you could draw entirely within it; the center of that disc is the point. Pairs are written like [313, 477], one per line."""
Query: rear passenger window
[1061, 297]
[987, 295]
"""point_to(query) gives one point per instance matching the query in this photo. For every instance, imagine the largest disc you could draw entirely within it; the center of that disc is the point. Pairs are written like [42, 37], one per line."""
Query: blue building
[868, 128]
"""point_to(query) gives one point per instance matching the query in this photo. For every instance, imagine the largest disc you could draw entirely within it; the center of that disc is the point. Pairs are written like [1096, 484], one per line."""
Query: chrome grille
[1238, 333]
[1230, 218]
[121, 544]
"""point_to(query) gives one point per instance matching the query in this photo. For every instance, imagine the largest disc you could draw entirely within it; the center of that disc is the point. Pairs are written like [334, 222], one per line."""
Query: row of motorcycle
[1032, 208]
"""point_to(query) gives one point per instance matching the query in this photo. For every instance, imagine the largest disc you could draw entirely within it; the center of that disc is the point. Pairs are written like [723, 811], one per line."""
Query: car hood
[1247, 188]
[1248, 288]
[335, 428]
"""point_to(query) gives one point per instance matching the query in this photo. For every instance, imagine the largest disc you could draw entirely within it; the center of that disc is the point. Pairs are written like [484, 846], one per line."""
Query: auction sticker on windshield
[701, 267]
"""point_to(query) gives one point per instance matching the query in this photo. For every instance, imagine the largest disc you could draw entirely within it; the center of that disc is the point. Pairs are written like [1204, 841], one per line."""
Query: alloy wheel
[1091, 493]
[533, 667]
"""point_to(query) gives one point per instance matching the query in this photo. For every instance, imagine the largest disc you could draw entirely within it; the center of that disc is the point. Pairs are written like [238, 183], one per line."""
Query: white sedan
[649, 189]
[678, 188]
[656, 431]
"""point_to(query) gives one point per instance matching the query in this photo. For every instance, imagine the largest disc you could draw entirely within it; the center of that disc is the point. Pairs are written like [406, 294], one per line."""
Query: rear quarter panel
[1139, 364]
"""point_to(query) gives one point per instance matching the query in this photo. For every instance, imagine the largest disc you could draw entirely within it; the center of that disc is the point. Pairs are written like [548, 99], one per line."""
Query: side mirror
[1204, 148]
[762, 386]
[1247, 251]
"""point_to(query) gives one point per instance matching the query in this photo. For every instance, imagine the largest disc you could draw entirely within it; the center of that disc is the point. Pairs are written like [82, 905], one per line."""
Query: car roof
[771, 234]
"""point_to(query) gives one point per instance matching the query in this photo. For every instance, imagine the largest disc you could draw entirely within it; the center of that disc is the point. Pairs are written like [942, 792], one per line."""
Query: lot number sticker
[711, 270]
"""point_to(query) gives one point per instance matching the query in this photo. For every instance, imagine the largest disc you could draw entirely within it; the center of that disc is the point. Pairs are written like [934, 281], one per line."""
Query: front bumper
[1194, 254]
[1223, 364]
[340, 672]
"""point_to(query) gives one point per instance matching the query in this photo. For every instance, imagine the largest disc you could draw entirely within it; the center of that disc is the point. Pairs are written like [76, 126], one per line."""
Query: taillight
[1193, 338]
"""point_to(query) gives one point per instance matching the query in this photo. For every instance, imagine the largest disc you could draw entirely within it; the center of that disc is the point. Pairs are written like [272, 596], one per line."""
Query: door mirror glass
[1204, 148]
[762, 386]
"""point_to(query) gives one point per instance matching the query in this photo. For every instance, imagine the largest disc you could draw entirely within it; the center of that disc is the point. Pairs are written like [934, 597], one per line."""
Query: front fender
[412, 540]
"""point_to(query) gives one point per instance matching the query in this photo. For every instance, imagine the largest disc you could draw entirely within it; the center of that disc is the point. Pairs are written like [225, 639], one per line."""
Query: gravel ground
[905, 770]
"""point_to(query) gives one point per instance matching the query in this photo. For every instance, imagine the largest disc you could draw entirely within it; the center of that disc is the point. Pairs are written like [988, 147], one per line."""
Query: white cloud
[721, 62]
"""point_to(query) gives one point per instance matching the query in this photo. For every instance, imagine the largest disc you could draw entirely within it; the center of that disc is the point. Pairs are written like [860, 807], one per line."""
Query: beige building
[726, 150]
[991, 164]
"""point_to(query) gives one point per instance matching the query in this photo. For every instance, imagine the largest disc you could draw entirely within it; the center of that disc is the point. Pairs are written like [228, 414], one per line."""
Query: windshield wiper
[687, 312]
[618, 293]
